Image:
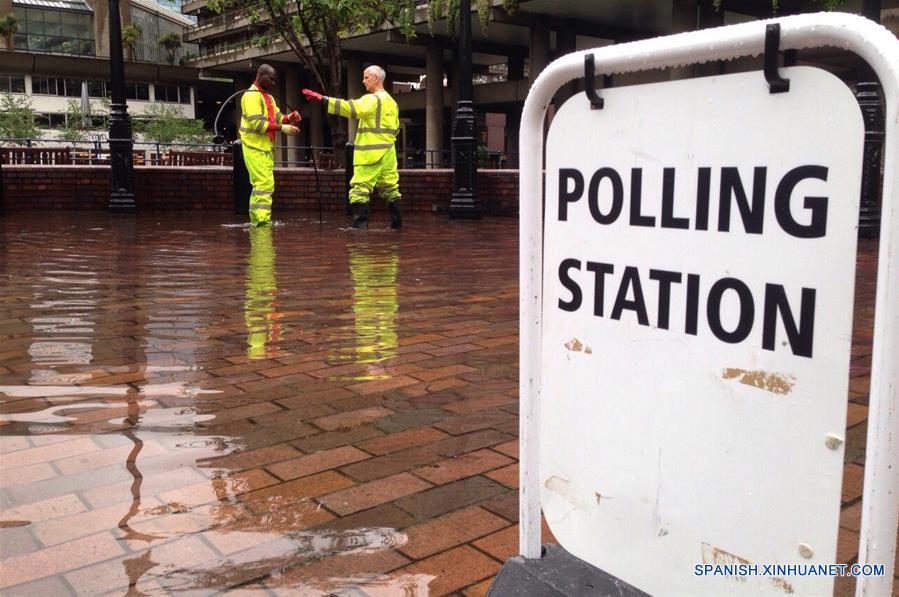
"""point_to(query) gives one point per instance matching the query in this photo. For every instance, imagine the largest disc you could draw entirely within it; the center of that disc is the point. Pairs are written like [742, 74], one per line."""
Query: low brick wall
[208, 188]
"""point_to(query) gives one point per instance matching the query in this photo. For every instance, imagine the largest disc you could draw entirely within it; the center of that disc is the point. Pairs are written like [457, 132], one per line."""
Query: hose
[218, 139]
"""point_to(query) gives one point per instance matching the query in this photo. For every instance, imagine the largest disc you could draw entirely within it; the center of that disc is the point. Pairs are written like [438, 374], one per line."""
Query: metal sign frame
[880, 49]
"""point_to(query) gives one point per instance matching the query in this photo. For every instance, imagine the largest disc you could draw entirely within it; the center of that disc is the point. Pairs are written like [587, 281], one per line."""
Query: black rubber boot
[396, 218]
[360, 213]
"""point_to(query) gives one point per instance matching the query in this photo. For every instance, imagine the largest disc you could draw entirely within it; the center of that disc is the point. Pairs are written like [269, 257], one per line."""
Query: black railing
[151, 153]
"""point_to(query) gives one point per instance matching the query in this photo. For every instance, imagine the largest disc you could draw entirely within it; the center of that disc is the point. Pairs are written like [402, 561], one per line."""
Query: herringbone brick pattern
[191, 406]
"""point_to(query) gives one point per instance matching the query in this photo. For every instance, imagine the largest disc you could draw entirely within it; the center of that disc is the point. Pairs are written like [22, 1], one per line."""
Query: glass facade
[59, 31]
[176, 94]
[153, 27]
[12, 83]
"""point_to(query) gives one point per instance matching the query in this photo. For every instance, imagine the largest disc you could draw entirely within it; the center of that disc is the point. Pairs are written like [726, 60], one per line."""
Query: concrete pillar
[434, 106]
[316, 126]
[515, 67]
[292, 97]
[241, 83]
[566, 42]
[513, 124]
[354, 89]
[538, 56]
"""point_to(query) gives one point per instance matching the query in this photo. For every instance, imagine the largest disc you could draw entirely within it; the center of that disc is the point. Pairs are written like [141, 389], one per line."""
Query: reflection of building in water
[373, 272]
[260, 306]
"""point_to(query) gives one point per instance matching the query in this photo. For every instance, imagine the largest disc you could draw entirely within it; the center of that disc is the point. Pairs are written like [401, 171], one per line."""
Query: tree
[314, 29]
[74, 130]
[166, 124]
[9, 26]
[171, 42]
[130, 36]
[17, 118]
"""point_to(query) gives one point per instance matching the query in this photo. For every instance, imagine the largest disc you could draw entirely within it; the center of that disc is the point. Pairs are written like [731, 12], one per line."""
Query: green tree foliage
[9, 26]
[171, 42]
[165, 124]
[17, 118]
[74, 129]
[130, 36]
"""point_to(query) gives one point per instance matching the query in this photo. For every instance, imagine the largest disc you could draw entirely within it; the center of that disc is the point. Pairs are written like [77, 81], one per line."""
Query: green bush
[165, 124]
[17, 118]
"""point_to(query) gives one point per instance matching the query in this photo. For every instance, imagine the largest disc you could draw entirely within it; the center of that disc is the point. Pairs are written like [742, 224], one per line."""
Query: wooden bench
[35, 155]
[197, 158]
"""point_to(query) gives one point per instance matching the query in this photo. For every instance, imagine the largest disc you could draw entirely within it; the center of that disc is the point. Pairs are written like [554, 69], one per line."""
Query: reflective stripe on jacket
[259, 119]
[379, 123]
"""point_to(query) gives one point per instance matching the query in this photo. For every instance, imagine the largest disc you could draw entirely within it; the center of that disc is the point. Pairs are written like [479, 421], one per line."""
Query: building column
[292, 97]
[434, 106]
[538, 57]
[354, 89]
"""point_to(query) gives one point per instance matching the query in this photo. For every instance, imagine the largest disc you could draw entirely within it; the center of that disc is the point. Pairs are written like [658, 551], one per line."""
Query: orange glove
[312, 95]
[293, 117]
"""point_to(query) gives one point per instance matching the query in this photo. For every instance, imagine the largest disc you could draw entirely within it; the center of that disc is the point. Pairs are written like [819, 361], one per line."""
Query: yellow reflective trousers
[382, 175]
[260, 165]
[260, 304]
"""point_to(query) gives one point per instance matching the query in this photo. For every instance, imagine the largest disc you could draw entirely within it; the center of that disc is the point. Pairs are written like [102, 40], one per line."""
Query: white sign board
[697, 308]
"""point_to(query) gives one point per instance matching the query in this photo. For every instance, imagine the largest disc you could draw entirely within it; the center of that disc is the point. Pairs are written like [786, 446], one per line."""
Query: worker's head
[266, 77]
[373, 78]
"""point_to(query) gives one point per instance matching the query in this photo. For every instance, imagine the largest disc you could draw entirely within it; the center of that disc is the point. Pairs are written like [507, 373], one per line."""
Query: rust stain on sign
[575, 345]
[776, 383]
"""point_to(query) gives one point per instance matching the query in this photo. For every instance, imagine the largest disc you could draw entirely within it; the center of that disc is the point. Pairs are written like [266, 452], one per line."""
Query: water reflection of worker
[260, 307]
[375, 304]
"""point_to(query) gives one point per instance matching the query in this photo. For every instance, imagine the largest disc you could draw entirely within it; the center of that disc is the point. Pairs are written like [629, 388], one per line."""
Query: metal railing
[151, 153]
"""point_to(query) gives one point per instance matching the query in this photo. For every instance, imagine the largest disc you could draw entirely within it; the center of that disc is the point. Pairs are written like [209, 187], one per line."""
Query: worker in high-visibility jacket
[374, 153]
[260, 119]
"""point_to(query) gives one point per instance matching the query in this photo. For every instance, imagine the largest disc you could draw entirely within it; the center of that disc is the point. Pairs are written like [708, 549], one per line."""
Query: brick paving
[190, 406]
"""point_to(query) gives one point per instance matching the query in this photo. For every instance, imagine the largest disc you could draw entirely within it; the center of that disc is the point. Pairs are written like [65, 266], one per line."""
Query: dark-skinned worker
[260, 119]
[374, 154]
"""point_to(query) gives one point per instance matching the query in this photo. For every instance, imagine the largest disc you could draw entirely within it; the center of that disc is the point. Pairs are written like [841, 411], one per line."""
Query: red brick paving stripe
[298, 490]
[382, 385]
[455, 569]
[351, 418]
[401, 440]
[459, 467]
[317, 462]
[507, 475]
[374, 493]
[435, 374]
[449, 531]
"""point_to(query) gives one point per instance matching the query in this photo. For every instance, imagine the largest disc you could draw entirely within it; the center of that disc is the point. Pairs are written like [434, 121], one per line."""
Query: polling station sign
[698, 270]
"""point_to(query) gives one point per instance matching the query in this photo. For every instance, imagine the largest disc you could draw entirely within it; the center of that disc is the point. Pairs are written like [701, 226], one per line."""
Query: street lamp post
[464, 202]
[121, 198]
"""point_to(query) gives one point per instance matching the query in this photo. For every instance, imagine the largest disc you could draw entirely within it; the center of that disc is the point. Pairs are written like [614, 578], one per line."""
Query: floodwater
[187, 404]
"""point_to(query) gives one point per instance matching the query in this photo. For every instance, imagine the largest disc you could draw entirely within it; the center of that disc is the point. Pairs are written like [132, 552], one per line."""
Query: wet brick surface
[188, 405]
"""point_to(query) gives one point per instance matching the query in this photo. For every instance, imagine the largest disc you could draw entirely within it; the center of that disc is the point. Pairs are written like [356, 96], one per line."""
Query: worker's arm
[358, 108]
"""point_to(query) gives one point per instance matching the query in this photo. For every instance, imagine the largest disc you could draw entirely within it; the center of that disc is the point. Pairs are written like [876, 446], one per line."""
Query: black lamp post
[464, 203]
[121, 198]
[869, 94]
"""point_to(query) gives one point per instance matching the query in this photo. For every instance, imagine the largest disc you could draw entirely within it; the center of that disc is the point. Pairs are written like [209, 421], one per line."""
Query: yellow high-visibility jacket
[259, 119]
[379, 123]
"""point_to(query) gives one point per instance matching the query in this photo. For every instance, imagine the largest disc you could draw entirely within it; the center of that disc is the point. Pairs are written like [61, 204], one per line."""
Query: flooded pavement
[190, 405]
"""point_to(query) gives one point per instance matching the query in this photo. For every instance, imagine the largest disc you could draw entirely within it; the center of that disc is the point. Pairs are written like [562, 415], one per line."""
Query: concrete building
[62, 43]
[507, 55]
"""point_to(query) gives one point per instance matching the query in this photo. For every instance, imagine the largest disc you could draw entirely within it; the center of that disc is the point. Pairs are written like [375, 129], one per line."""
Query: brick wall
[208, 188]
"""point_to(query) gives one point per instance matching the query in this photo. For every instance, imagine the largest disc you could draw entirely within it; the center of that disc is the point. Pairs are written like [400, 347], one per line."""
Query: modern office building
[507, 54]
[62, 43]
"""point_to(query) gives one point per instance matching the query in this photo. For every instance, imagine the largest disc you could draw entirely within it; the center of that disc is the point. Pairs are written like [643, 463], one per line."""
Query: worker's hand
[289, 129]
[293, 117]
[312, 95]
